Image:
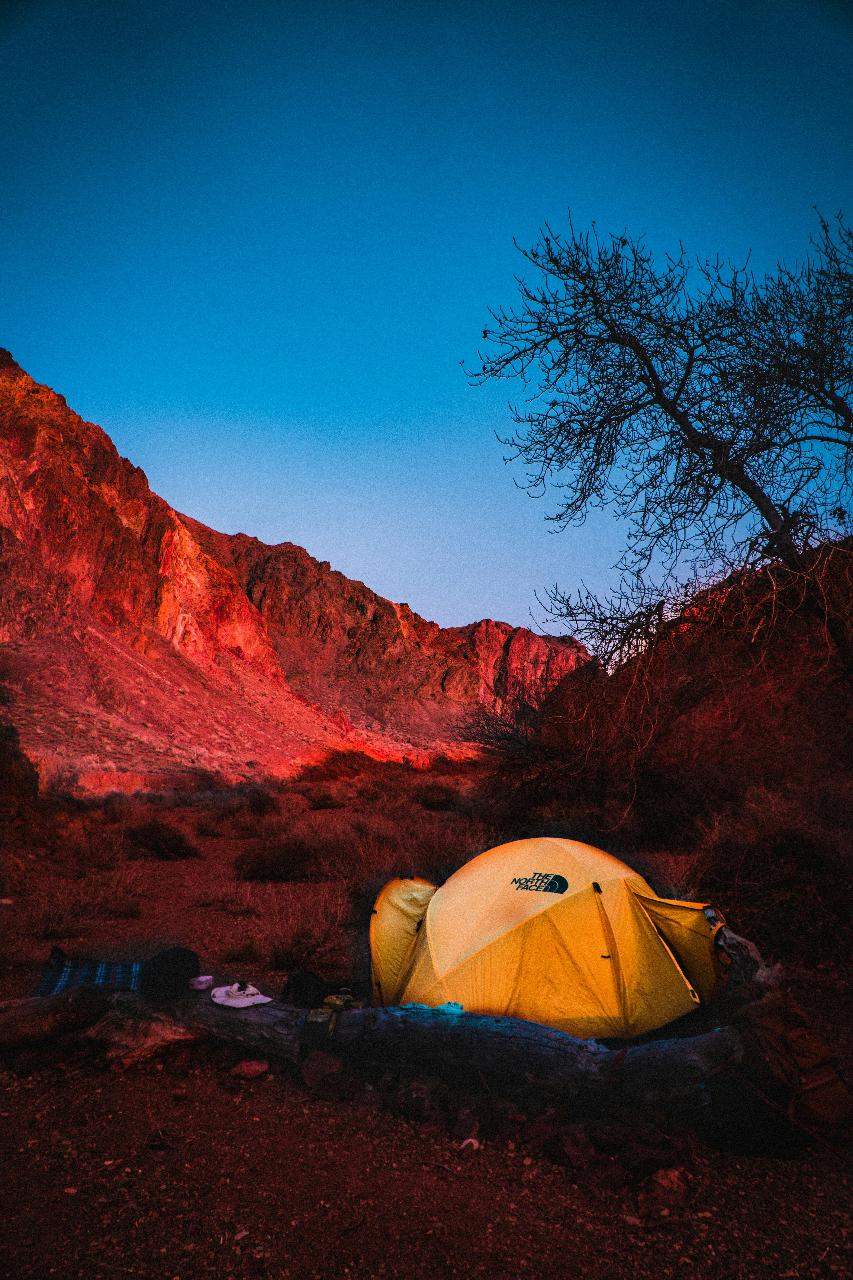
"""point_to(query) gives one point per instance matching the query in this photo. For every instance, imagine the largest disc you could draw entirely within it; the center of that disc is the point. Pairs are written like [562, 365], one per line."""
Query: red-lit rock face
[346, 647]
[138, 644]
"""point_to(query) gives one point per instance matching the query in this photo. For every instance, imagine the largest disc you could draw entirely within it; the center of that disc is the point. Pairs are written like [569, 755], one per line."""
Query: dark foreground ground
[181, 1170]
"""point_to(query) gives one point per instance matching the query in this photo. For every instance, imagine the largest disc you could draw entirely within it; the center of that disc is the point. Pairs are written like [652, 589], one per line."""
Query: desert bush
[324, 798]
[82, 845]
[433, 849]
[231, 900]
[436, 796]
[160, 841]
[232, 817]
[259, 802]
[315, 946]
[671, 805]
[63, 908]
[296, 857]
[246, 951]
[343, 765]
[57, 922]
[308, 930]
[779, 870]
[245, 797]
[297, 927]
[116, 807]
[208, 828]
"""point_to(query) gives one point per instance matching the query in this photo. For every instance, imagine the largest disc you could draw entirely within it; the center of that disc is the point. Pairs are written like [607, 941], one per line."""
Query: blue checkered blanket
[63, 974]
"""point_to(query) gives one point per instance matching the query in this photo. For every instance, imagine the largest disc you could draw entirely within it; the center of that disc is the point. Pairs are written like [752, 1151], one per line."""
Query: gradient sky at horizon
[255, 240]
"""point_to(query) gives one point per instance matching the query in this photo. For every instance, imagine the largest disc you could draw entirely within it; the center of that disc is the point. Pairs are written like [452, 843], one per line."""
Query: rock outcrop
[345, 647]
[141, 648]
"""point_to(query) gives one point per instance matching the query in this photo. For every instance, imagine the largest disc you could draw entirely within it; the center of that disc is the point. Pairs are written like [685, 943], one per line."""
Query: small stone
[324, 1074]
[669, 1179]
[250, 1069]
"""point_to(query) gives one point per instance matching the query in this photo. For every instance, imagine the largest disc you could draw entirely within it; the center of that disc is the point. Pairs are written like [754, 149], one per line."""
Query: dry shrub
[361, 848]
[231, 900]
[243, 811]
[346, 766]
[779, 869]
[324, 798]
[352, 780]
[246, 951]
[231, 817]
[313, 934]
[296, 857]
[65, 908]
[208, 828]
[380, 846]
[116, 807]
[436, 796]
[259, 802]
[160, 841]
[433, 846]
[93, 847]
[298, 926]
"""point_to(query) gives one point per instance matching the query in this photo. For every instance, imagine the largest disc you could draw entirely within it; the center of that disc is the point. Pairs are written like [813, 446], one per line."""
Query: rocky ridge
[140, 648]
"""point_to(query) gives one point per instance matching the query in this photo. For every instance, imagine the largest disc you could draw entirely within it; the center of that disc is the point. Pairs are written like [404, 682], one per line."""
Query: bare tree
[795, 335]
[709, 410]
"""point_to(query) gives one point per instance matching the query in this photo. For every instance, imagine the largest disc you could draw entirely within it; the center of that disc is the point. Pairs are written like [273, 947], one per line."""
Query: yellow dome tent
[548, 930]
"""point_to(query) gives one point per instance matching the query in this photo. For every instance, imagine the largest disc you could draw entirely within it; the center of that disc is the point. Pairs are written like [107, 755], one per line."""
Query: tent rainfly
[552, 931]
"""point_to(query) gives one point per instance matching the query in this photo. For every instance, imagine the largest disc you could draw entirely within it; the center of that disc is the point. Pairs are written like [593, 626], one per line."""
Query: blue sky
[255, 240]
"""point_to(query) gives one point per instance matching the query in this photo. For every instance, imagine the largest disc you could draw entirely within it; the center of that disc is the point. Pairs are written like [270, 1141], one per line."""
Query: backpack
[780, 1043]
[166, 976]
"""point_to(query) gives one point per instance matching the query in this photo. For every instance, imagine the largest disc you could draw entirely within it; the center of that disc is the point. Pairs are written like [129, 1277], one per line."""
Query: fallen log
[28, 1022]
[501, 1053]
[511, 1052]
[506, 1055]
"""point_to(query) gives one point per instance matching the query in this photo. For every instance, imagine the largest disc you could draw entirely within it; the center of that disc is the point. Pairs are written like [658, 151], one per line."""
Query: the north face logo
[542, 882]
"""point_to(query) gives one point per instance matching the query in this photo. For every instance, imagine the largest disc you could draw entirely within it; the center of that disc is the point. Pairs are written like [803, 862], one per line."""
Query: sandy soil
[181, 1170]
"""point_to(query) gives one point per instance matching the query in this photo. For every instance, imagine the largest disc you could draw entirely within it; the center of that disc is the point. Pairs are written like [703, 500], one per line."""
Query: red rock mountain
[139, 648]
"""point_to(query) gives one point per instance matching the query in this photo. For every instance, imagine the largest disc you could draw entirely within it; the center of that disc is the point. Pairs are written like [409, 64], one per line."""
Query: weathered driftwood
[511, 1052]
[272, 1030]
[27, 1022]
[501, 1052]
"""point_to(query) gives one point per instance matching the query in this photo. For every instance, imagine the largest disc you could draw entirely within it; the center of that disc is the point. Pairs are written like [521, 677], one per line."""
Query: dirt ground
[181, 1170]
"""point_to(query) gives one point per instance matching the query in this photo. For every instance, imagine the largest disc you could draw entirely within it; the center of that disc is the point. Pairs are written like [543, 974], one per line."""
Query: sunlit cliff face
[138, 644]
